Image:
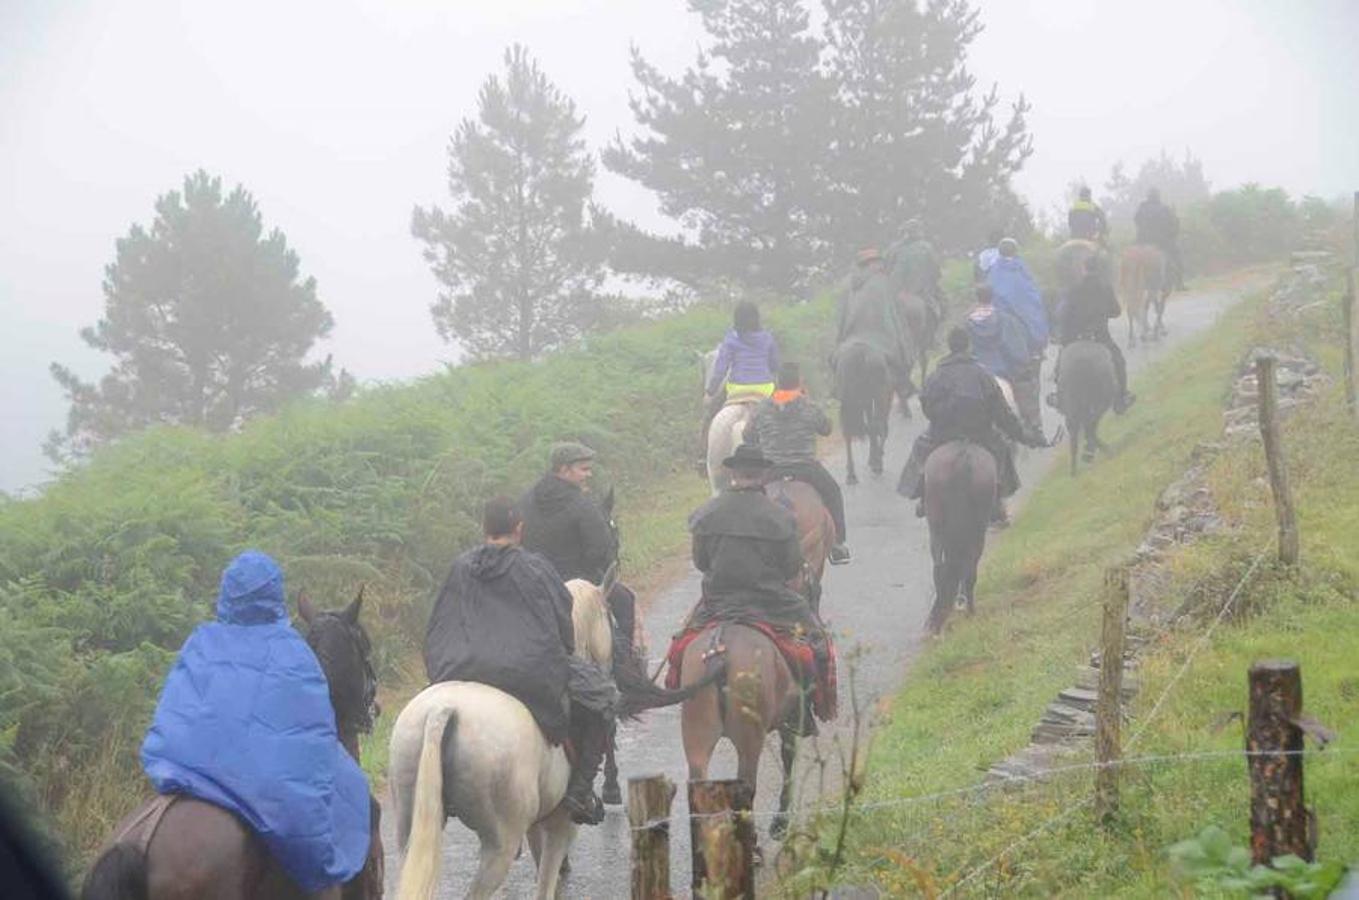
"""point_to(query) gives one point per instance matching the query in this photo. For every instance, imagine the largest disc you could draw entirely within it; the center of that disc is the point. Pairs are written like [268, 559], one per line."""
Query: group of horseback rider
[503, 614]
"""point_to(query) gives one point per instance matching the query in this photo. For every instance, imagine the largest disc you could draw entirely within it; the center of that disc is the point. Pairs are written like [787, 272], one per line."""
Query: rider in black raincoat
[503, 618]
[962, 400]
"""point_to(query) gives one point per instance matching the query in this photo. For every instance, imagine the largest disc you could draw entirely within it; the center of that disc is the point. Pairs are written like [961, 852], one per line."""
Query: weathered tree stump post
[1274, 459]
[649, 815]
[722, 835]
[1278, 820]
[1348, 303]
[1108, 704]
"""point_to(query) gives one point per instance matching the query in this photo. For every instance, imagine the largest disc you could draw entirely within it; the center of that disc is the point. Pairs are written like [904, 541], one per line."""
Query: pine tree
[912, 139]
[207, 318]
[519, 262]
[734, 148]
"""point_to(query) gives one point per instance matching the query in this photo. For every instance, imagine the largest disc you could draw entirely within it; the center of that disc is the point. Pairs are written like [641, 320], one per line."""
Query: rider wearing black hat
[746, 546]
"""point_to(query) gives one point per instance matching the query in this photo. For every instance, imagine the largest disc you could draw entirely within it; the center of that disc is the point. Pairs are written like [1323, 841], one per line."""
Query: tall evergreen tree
[208, 320]
[519, 262]
[734, 148]
[912, 138]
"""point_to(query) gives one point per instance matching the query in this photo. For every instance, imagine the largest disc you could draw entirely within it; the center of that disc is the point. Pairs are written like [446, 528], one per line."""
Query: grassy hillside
[103, 575]
[973, 697]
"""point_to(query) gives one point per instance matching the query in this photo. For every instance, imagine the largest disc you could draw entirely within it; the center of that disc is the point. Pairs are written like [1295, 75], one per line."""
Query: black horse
[1086, 389]
[182, 847]
[865, 394]
[960, 492]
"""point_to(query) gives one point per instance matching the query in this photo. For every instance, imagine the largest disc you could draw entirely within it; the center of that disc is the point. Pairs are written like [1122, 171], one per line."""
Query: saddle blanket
[799, 655]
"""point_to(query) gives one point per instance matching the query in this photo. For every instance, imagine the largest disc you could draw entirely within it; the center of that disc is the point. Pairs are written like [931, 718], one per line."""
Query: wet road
[878, 604]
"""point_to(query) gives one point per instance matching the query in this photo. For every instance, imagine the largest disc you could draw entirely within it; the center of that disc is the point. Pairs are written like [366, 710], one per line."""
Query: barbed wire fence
[977, 791]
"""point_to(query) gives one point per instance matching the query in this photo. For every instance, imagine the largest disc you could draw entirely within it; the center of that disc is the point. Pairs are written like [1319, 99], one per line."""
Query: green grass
[974, 697]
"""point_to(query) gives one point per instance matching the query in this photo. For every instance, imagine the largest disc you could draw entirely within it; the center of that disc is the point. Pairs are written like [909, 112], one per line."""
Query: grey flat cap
[564, 453]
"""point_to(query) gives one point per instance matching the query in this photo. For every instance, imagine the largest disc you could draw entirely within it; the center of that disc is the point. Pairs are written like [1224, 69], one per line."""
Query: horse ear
[304, 607]
[610, 579]
[351, 613]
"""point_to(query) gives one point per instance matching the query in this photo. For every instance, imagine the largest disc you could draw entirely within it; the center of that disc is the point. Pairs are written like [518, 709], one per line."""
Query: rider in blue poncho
[1014, 291]
[245, 722]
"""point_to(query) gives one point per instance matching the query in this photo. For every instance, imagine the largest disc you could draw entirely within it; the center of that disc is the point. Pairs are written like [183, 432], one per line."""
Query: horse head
[341, 645]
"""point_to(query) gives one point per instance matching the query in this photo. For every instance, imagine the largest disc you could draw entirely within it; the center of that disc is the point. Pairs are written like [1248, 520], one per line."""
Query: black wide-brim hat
[747, 456]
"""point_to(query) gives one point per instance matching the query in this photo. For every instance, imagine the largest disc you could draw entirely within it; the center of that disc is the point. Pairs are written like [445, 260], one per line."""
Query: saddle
[739, 397]
[798, 653]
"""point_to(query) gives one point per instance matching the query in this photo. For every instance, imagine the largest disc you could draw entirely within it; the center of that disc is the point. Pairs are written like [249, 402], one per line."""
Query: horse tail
[420, 870]
[119, 874]
[637, 693]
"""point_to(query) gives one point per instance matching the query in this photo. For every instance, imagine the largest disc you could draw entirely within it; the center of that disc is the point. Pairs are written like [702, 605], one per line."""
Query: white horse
[474, 752]
[728, 427]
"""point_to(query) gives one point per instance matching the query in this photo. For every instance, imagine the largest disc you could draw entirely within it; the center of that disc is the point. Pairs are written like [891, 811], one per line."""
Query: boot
[839, 554]
[589, 731]
[580, 799]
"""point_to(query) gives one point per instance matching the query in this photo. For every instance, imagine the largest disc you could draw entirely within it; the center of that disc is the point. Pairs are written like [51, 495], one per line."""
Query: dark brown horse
[1086, 388]
[960, 492]
[186, 849]
[865, 394]
[754, 692]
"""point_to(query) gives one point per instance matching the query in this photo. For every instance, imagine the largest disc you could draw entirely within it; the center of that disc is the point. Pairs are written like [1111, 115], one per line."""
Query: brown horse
[1143, 283]
[755, 692]
[960, 492]
[815, 531]
[182, 848]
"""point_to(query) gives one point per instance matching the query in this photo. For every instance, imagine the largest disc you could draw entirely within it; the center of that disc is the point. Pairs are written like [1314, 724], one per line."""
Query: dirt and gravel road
[878, 603]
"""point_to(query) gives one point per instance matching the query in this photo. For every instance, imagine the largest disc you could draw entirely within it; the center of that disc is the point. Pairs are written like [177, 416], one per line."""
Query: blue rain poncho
[1014, 291]
[245, 722]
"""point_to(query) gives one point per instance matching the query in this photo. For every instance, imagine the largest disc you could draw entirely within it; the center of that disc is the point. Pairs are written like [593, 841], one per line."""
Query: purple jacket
[751, 358]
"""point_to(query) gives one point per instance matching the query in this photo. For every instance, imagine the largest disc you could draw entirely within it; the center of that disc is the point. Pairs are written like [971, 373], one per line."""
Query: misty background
[336, 117]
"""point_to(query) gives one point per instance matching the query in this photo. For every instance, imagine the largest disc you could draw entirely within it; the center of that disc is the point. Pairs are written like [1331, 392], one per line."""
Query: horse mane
[590, 622]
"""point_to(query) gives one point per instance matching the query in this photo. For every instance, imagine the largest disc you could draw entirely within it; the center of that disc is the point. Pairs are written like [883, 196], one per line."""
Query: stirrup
[839, 555]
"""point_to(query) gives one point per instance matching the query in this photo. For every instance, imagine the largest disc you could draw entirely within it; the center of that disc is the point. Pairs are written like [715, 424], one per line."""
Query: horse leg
[787, 755]
[498, 849]
[1073, 435]
[851, 477]
[875, 453]
[700, 727]
[1091, 443]
[945, 585]
[550, 840]
[611, 793]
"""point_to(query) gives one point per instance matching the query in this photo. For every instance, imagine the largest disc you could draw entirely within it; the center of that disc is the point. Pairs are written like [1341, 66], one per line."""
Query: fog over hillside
[336, 116]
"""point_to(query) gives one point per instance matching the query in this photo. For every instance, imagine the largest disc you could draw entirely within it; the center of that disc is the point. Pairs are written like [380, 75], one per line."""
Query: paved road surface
[879, 602]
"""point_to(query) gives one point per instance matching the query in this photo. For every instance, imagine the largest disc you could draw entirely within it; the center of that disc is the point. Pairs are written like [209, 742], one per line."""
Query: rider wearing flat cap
[562, 523]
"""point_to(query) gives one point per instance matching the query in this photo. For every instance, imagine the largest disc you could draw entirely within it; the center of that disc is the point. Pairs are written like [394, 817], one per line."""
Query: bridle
[361, 719]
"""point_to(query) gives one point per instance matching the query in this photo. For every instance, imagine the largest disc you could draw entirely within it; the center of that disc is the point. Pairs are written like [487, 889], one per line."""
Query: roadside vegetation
[973, 697]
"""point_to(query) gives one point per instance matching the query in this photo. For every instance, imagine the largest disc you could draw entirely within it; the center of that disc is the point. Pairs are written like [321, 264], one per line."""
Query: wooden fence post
[649, 815]
[1279, 822]
[1108, 704]
[1349, 301]
[1274, 458]
[722, 836]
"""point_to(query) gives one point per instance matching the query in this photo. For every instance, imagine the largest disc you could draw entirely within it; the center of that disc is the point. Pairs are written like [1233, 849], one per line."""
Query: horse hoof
[851, 480]
[778, 828]
[566, 866]
[611, 794]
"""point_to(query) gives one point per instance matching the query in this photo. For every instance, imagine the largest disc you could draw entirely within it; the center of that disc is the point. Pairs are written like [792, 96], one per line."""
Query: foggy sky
[336, 114]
